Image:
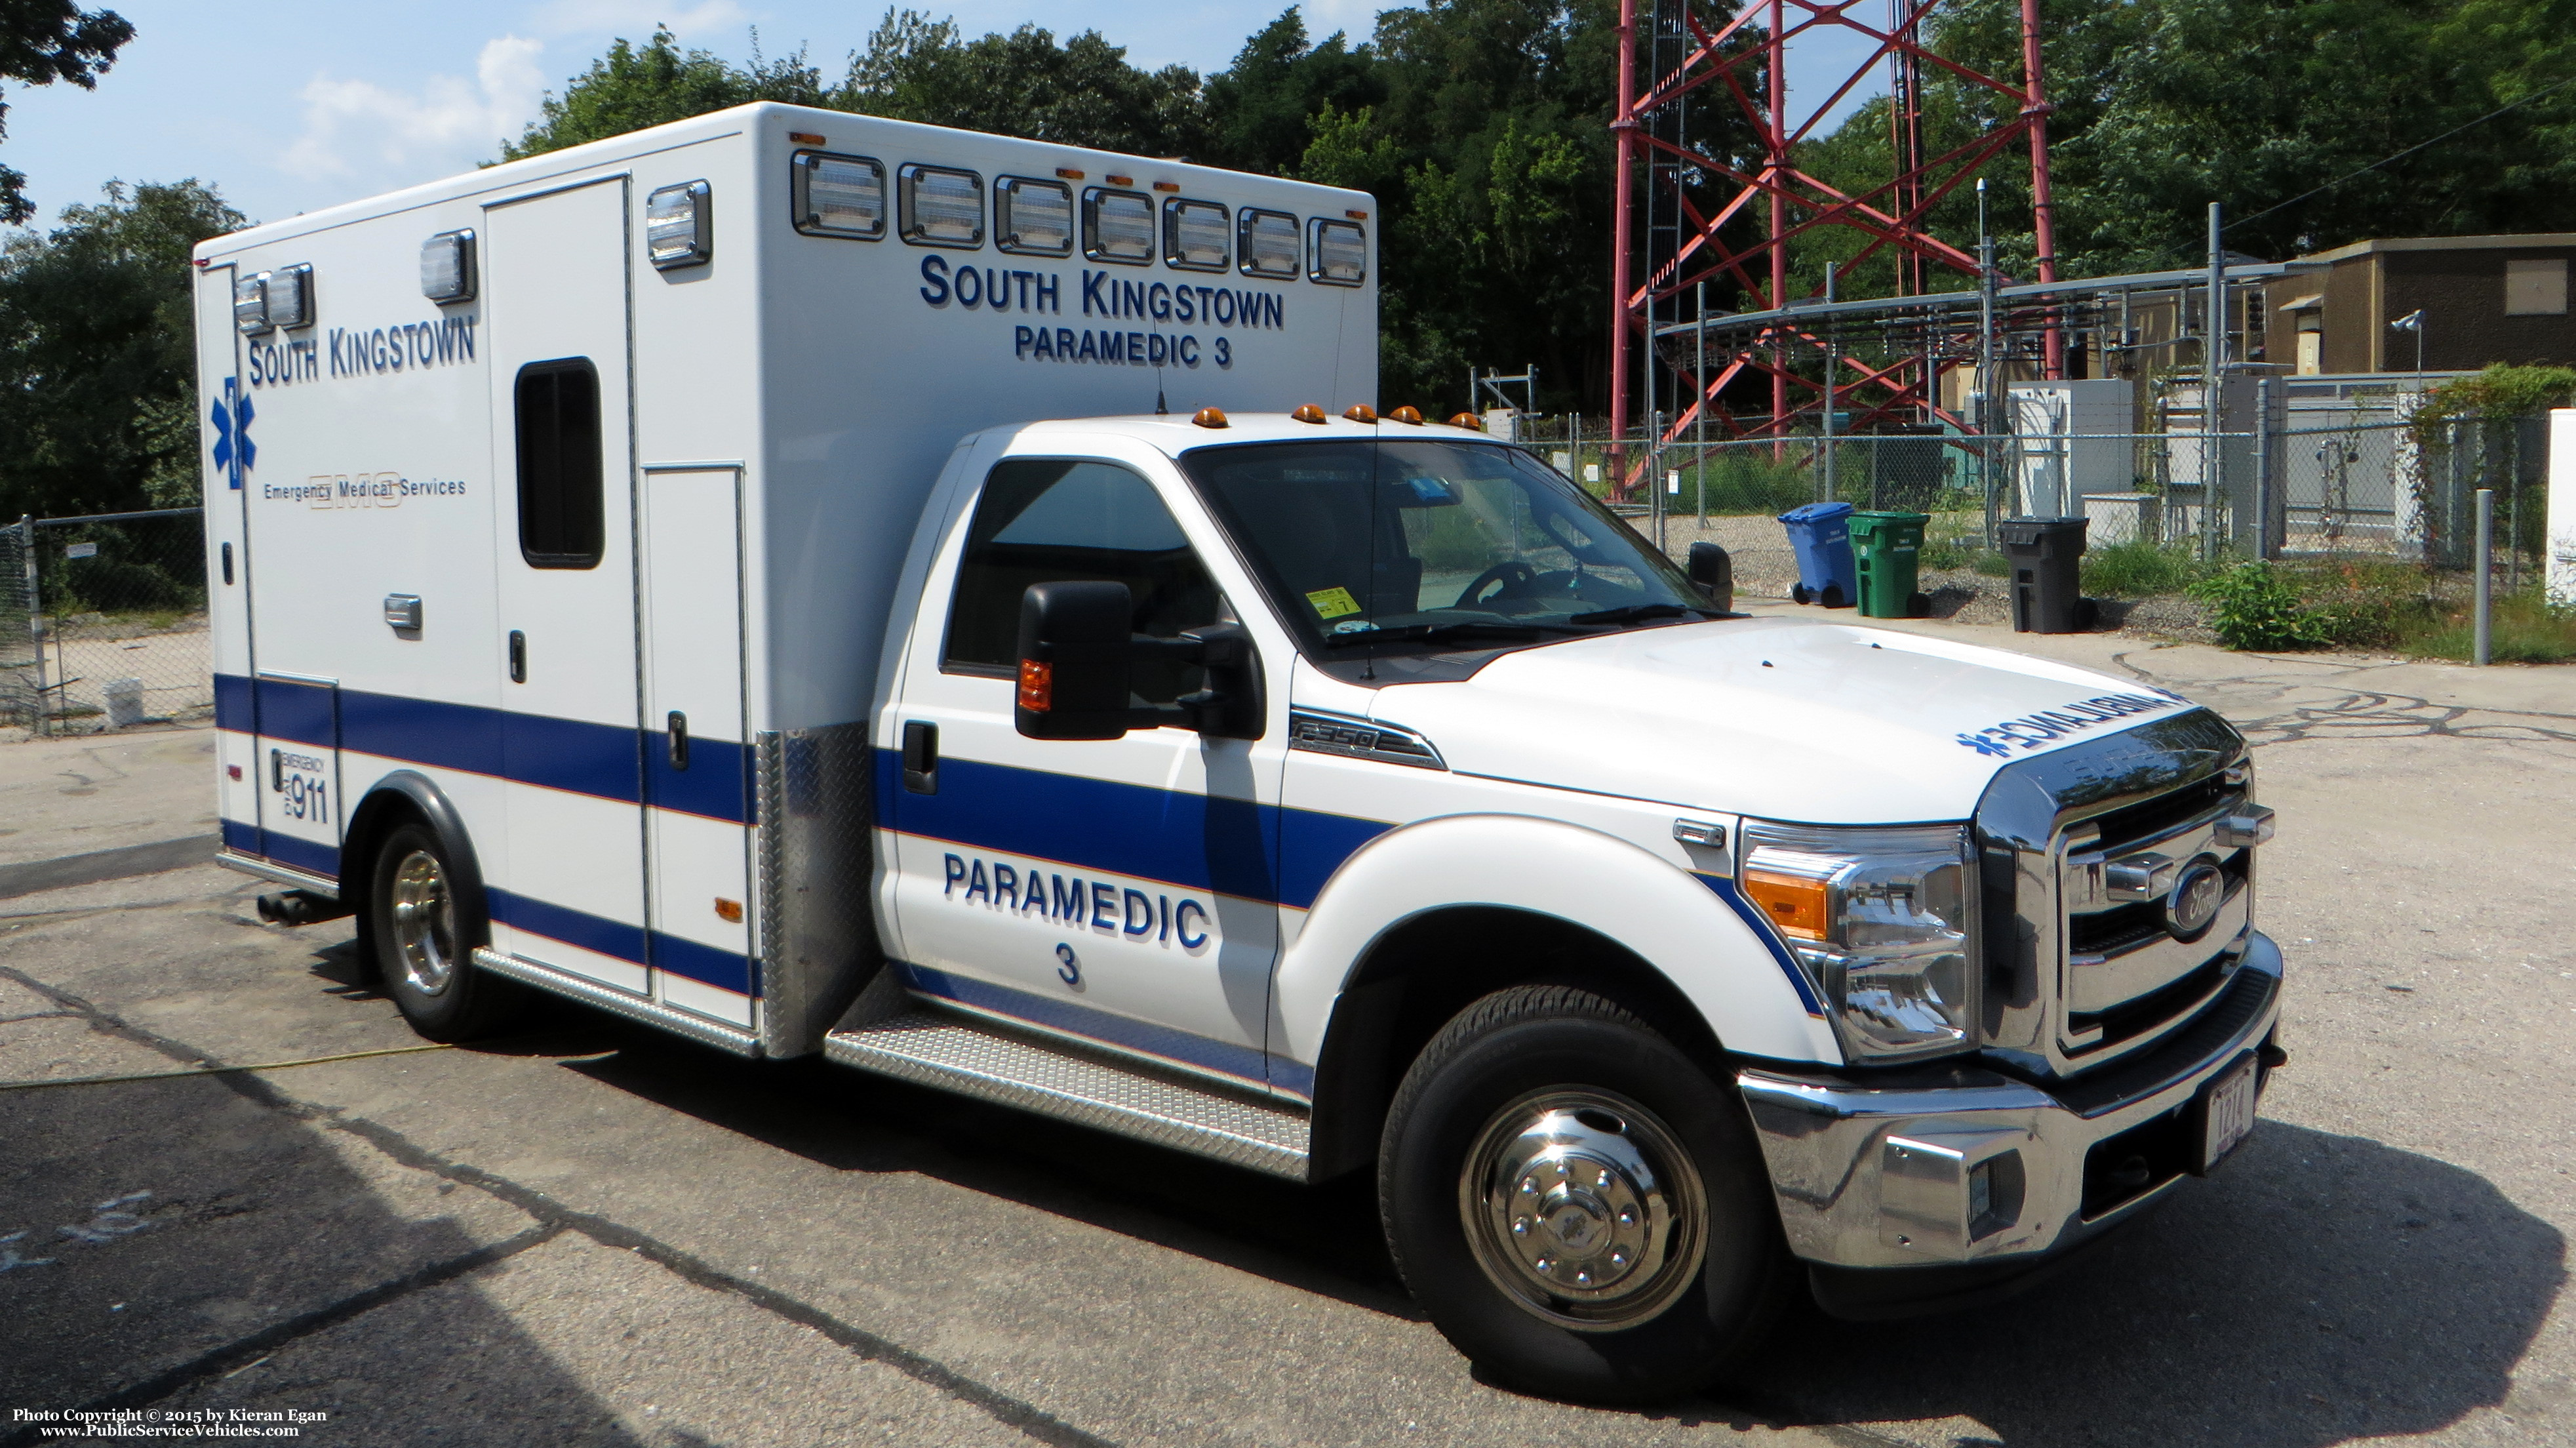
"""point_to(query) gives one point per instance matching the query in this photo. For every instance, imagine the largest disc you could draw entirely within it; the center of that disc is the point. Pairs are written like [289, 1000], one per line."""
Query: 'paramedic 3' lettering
[1099, 905]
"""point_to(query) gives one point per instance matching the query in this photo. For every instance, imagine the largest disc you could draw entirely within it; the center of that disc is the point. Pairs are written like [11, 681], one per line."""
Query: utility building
[2482, 299]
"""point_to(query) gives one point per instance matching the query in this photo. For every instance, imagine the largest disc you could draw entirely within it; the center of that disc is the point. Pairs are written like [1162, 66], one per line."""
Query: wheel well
[379, 814]
[1420, 974]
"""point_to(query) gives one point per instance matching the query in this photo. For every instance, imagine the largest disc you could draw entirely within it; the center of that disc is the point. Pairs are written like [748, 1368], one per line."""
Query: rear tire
[1636, 1287]
[425, 943]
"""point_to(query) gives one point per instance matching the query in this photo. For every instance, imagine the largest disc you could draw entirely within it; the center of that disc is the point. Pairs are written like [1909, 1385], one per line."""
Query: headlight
[1881, 920]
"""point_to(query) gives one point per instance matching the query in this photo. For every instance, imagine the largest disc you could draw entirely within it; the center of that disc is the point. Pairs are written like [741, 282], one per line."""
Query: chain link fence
[103, 622]
[2356, 482]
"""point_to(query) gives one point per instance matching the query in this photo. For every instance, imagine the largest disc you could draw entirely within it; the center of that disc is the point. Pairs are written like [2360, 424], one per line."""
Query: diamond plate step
[935, 1049]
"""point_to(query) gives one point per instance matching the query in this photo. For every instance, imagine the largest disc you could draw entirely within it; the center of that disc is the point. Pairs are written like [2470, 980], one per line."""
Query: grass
[2139, 570]
[2524, 629]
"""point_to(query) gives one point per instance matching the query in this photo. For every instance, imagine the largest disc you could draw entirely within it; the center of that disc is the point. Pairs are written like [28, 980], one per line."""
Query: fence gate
[103, 622]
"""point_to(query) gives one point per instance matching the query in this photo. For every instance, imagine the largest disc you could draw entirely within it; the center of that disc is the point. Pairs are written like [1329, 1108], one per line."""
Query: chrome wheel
[424, 923]
[1584, 1209]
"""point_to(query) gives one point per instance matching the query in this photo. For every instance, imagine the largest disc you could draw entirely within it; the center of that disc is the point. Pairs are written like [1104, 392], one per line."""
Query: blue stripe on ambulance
[1770, 938]
[619, 940]
[1244, 1063]
[1234, 847]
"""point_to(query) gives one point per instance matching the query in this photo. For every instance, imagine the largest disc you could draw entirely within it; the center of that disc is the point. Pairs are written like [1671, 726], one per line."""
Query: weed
[2139, 570]
[2257, 606]
[2524, 629]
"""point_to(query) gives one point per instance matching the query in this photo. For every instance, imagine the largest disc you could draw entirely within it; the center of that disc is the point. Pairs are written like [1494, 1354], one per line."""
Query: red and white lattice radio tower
[1692, 60]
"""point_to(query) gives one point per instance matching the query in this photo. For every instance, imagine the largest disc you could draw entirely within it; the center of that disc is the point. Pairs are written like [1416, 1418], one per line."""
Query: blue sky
[293, 105]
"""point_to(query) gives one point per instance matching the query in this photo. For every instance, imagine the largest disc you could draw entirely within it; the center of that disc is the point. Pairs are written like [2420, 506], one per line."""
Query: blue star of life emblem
[1983, 745]
[234, 451]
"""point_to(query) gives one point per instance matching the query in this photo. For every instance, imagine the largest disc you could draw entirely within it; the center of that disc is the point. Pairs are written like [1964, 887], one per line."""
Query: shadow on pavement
[180, 1234]
[2319, 1288]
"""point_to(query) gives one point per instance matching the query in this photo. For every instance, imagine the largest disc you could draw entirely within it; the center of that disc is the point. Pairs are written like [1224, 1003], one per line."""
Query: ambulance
[960, 606]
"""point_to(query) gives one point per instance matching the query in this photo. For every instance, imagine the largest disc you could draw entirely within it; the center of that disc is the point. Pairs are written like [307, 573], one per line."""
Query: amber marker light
[1067, 173]
[1469, 421]
[1798, 906]
[1120, 180]
[805, 138]
[1209, 417]
[1360, 412]
[1167, 185]
[729, 911]
[1356, 215]
[1308, 413]
[1409, 416]
[1037, 686]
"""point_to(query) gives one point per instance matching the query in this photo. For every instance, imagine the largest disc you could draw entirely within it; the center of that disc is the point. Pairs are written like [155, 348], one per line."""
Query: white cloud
[448, 124]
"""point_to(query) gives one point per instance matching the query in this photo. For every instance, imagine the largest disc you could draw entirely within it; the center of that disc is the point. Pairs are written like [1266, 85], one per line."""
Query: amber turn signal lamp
[1360, 412]
[729, 911]
[1037, 686]
[1469, 421]
[1308, 413]
[1208, 417]
[1794, 904]
[1409, 416]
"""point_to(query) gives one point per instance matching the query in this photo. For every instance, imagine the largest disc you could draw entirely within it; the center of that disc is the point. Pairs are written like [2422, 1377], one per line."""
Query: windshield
[1433, 544]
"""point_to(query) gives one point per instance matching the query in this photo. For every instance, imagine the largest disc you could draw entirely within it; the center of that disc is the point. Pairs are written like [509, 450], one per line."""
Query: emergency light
[447, 267]
[839, 195]
[250, 303]
[678, 229]
[1194, 235]
[1267, 242]
[290, 295]
[1117, 226]
[1033, 218]
[941, 207]
[1341, 253]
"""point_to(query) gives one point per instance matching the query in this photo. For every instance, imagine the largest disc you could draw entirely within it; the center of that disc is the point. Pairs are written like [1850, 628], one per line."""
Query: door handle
[921, 756]
[277, 770]
[679, 723]
[518, 657]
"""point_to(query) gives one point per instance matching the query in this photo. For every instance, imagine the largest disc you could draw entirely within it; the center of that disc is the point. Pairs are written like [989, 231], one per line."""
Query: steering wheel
[1512, 573]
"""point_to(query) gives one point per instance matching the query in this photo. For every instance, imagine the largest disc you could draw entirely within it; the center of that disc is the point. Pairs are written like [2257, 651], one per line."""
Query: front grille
[2083, 972]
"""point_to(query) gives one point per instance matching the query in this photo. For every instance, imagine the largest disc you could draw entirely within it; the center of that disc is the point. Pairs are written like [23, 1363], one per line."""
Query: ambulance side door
[1117, 891]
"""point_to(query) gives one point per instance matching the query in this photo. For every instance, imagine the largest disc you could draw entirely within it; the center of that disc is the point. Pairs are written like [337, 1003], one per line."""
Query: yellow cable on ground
[217, 1070]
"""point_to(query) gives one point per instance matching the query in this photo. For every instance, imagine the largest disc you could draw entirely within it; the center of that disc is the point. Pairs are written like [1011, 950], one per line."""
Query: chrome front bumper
[1965, 1165]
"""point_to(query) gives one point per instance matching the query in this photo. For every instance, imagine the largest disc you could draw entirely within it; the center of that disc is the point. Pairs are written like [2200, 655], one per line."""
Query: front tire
[425, 943]
[1581, 1210]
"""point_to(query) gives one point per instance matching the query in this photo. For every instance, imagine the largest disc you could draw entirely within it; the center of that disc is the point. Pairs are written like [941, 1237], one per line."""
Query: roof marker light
[1067, 173]
[1209, 417]
[1167, 185]
[805, 138]
[1469, 421]
[1409, 416]
[1360, 412]
[1121, 180]
[1308, 413]
[1356, 215]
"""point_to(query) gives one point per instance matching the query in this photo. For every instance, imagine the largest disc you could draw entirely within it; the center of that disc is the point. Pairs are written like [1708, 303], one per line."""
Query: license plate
[2229, 1114]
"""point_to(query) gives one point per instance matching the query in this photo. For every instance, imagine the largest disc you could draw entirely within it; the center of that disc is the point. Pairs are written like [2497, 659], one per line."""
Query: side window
[557, 410]
[1049, 520]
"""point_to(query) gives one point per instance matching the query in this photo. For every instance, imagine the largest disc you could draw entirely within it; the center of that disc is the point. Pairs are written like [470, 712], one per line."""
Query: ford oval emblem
[2195, 900]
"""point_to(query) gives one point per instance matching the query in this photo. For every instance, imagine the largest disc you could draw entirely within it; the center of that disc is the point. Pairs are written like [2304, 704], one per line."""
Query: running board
[990, 1063]
[609, 998]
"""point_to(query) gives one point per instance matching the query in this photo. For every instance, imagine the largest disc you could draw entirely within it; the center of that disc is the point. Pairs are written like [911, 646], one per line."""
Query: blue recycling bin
[1820, 534]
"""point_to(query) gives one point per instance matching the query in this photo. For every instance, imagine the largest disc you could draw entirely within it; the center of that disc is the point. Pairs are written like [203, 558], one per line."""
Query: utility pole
[1699, 408]
[2213, 342]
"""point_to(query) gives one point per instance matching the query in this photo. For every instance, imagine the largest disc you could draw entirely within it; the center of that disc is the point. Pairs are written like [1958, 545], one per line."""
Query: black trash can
[2045, 554]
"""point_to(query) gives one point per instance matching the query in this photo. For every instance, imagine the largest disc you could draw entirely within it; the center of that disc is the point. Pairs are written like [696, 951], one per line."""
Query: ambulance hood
[1778, 718]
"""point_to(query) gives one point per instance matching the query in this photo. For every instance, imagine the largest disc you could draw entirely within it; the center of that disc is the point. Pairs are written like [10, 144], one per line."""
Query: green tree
[43, 41]
[1082, 92]
[97, 389]
[633, 87]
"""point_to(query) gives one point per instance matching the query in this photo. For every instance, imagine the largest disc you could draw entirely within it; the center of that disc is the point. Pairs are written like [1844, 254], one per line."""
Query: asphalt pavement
[231, 1180]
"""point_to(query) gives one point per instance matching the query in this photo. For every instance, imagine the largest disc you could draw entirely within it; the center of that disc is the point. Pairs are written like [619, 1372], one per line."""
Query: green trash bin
[1886, 547]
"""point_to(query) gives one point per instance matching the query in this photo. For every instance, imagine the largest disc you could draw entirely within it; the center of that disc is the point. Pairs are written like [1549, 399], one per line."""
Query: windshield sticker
[2035, 731]
[1333, 602]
